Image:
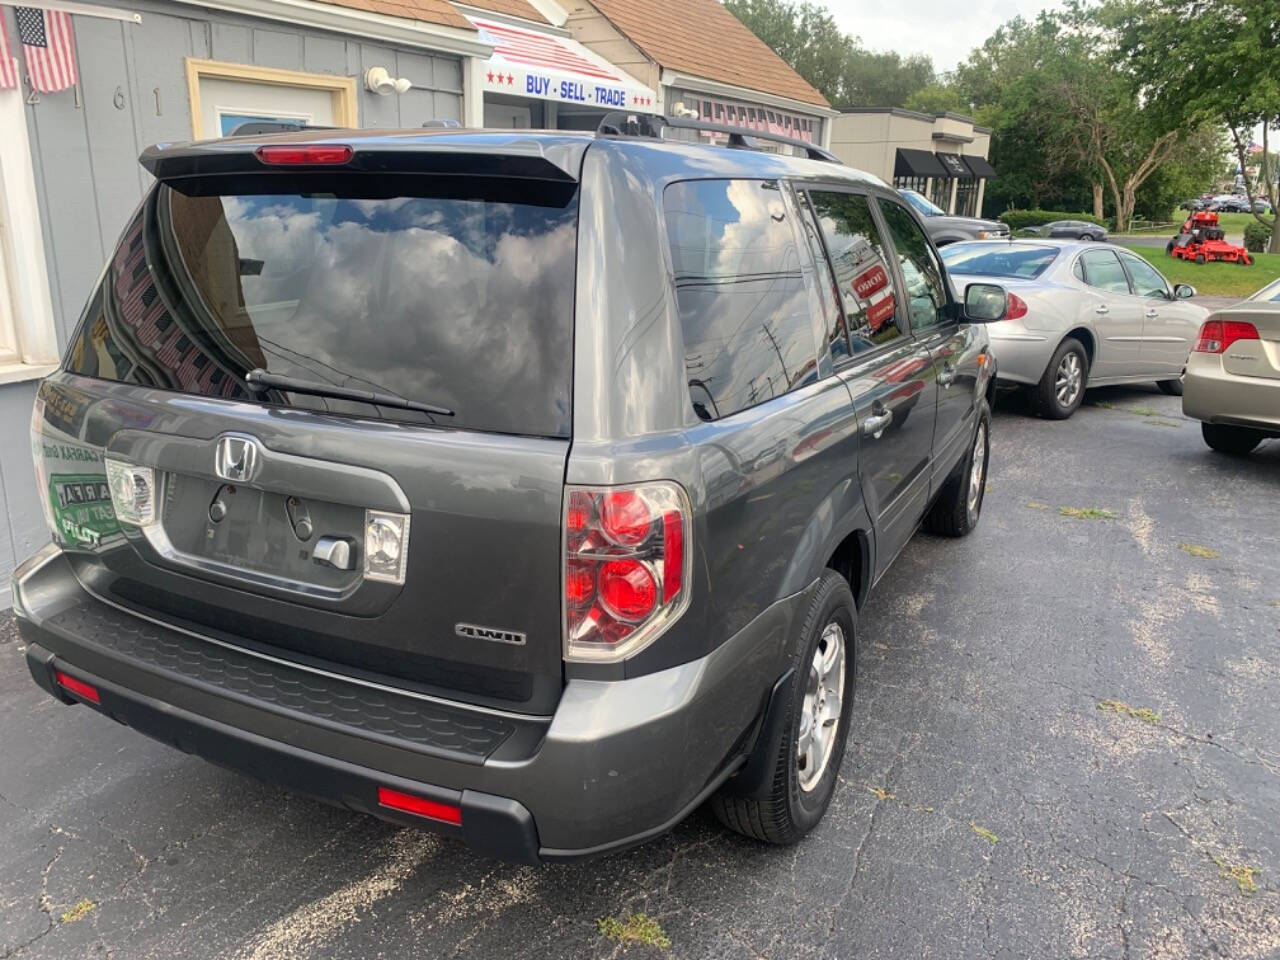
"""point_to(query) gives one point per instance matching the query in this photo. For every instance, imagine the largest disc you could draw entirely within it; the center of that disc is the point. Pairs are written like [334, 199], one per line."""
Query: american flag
[8, 62]
[49, 48]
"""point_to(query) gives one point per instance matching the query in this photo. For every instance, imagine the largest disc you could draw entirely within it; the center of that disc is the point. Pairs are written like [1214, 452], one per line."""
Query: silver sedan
[1080, 315]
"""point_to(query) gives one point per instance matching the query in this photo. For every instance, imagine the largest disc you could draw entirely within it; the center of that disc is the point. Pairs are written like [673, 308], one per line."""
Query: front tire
[814, 731]
[1172, 388]
[956, 511]
[1062, 387]
[1236, 441]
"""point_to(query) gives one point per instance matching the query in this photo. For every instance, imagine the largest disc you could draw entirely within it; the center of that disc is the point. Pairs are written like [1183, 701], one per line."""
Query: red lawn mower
[1202, 240]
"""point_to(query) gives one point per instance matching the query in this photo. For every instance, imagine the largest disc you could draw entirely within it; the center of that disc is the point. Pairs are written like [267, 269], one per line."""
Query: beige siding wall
[593, 30]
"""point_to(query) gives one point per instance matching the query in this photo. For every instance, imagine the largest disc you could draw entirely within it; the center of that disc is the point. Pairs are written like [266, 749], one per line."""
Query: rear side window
[465, 304]
[862, 273]
[997, 260]
[1102, 270]
[741, 292]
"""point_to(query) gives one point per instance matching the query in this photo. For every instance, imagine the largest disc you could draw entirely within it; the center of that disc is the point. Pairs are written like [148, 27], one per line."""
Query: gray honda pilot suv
[521, 486]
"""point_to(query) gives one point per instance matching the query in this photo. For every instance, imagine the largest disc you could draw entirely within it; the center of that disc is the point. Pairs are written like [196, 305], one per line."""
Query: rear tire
[1200, 258]
[1171, 387]
[1061, 388]
[794, 804]
[1236, 441]
[959, 506]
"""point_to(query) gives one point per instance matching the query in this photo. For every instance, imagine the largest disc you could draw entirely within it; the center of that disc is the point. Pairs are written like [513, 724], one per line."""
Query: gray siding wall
[133, 92]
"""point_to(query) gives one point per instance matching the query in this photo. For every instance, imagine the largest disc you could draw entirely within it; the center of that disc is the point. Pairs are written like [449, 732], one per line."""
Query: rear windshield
[997, 260]
[464, 303]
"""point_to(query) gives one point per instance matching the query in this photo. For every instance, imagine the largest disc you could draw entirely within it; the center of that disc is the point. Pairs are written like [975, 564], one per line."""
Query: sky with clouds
[944, 29]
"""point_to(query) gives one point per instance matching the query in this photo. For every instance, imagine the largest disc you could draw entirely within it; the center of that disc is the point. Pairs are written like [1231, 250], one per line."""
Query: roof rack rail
[619, 124]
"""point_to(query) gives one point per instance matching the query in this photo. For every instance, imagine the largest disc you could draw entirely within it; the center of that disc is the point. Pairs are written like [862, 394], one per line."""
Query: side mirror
[1184, 291]
[985, 303]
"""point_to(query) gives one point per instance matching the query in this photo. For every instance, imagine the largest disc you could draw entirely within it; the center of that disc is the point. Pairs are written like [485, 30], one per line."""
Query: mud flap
[755, 780]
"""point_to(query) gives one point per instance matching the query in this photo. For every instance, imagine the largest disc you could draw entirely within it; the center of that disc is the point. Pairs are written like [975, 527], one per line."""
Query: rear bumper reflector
[419, 806]
[81, 689]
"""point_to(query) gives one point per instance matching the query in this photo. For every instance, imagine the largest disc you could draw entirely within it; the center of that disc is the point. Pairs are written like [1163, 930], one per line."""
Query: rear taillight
[1217, 335]
[1016, 309]
[305, 155]
[626, 567]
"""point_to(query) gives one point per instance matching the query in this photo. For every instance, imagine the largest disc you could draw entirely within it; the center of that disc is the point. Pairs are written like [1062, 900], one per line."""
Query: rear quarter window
[740, 286]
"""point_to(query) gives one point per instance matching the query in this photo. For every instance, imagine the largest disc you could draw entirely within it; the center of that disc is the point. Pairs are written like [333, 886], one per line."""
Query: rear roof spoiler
[505, 155]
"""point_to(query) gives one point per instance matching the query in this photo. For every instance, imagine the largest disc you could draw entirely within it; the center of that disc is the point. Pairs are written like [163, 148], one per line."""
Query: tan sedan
[1232, 383]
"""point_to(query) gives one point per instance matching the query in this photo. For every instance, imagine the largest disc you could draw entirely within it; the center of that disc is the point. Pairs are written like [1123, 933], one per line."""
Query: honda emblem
[236, 459]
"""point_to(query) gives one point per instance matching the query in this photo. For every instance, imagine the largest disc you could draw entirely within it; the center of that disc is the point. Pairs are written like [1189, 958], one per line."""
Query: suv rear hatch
[323, 410]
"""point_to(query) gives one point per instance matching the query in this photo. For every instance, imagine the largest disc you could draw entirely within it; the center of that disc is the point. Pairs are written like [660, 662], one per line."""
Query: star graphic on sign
[510, 79]
[491, 76]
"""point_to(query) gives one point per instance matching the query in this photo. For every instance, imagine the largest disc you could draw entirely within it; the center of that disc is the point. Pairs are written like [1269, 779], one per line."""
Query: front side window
[1102, 270]
[862, 273]
[740, 287]
[1147, 281]
[921, 270]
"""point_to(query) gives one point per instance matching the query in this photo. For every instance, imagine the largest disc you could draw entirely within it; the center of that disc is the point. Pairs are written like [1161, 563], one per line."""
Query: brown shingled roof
[512, 8]
[430, 11]
[702, 38]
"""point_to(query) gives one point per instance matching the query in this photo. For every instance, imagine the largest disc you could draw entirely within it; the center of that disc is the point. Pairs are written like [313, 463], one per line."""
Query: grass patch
[1161, 423]
[79, 911]
[1142, 411]
[1246, 877]
[1086, 513]
[1145, 714]
[1037, 505]
[984, 833]
[634, 928]
[1204, 553]
[1215, 279]
[881, 793]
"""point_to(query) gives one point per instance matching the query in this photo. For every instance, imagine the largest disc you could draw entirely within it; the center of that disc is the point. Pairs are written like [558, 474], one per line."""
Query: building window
[224, 95]
[918, 184]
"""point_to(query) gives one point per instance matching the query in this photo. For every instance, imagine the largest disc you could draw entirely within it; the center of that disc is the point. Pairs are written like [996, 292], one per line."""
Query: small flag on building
[49, 48]
[8, 62]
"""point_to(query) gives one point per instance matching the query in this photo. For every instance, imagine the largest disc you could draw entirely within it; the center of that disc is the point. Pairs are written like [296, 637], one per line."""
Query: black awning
[954, 165]
[981, 169]
[917, 163]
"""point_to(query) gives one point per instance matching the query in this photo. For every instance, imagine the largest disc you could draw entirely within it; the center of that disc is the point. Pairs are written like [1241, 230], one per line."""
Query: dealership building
[941, 155]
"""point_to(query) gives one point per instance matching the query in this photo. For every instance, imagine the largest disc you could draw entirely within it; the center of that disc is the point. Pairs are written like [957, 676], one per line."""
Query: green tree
[1216, 62]
[807, 37]
[939, 97]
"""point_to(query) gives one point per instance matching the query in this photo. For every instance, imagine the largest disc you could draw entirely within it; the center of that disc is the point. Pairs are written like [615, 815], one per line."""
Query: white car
[1080, 315]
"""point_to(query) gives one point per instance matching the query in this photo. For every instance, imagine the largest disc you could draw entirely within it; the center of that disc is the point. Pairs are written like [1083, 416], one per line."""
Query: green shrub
[1257, 237]
[1017, 219]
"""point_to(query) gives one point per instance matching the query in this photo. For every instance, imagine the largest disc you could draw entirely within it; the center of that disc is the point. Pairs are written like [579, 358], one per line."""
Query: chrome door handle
[1152, 313]
[875, 424]
[1103, 309]
[947, 377]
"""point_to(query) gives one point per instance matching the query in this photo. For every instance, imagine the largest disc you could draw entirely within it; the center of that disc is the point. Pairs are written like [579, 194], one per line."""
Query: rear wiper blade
[261, 380]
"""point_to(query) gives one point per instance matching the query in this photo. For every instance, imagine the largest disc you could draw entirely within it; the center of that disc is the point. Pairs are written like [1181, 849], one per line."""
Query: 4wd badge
[471, 631]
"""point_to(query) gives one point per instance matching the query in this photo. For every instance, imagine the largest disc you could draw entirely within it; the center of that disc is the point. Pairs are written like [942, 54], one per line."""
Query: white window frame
[28, 337]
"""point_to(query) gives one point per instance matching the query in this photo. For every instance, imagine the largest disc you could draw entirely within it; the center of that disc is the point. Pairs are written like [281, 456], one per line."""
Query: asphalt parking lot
[1066, 744]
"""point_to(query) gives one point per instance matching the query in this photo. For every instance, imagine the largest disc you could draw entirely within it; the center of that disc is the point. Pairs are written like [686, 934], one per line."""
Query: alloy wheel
[820, 712]
[978, 472]
[1069, 380]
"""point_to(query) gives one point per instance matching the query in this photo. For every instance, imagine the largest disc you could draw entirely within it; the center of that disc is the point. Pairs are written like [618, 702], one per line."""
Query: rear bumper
[1022, 355]
[1211, 394]
[619, 762]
